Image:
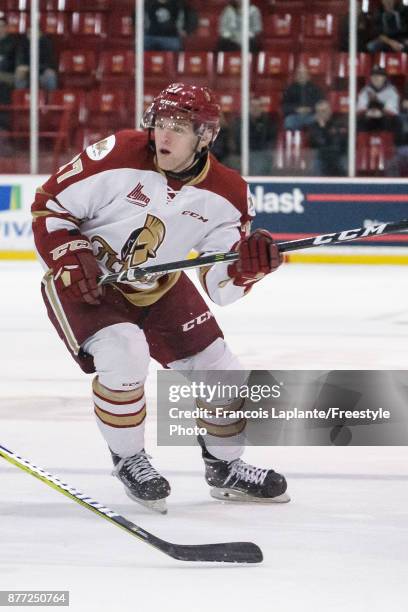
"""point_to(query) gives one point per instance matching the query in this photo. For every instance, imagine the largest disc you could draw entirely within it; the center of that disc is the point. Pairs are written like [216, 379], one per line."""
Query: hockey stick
[227, 552]
[137, 273]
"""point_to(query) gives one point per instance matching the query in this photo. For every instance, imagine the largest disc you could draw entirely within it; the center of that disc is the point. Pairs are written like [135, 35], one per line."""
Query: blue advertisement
[292, 210]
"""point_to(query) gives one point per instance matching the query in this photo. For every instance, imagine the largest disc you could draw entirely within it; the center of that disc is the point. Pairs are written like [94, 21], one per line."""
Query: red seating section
[374, 150]
[291, 152]
[274, 70]
[94, 42]
[196, 67]
[159, 68]
[77, 69]
[116, 68]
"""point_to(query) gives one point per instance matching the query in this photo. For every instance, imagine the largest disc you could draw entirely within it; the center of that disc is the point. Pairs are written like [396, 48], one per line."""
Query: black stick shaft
[343, 236]
[134, 274]
[232, 552]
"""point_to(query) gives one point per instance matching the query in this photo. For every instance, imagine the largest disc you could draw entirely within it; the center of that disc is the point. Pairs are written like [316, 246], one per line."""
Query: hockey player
[130, 198]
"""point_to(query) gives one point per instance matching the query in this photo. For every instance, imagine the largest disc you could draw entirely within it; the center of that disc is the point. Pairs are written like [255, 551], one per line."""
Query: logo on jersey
[100, 149]
[202, 318]
[136, 196]
[195, 215]
[144, 242]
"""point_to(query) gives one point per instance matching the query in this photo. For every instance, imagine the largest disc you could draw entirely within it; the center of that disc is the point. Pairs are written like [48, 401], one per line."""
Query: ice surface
[341, 544]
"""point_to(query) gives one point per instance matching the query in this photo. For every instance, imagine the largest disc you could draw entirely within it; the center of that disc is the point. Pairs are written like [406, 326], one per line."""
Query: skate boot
[142, 482]
[239, 481]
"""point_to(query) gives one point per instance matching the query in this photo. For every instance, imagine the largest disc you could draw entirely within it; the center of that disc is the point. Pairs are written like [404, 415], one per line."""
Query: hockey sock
[120, 416]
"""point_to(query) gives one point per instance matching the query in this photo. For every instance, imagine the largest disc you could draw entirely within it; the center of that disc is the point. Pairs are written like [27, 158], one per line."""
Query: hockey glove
[75, 268]
[258, 256]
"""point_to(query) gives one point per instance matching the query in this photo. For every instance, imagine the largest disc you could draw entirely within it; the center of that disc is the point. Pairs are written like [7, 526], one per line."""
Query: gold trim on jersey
[146, 297]
[120, 420]
[201, 277]
[193, 181]
[52, 295]
[125, 397]
[41, 191]
[52, 213]
[202, 175]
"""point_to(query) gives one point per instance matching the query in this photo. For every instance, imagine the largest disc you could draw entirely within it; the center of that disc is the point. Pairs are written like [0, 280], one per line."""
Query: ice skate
[239, 481]
[143, 484]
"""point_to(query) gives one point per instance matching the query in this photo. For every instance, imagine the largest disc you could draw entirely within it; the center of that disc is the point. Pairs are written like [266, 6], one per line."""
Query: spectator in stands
[363, 30]
[390, 28]
[167, 22]
[230, 27]
[299, 100]
[378, 103]
[398, 166]
[7, 68]
[262, 137]
[47, 63]
[327, 136]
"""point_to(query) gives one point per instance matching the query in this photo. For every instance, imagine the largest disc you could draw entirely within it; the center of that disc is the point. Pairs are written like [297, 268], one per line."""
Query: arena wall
[291, 208]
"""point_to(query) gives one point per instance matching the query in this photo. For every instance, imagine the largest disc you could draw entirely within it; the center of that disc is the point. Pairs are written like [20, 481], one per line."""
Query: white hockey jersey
[114, 194]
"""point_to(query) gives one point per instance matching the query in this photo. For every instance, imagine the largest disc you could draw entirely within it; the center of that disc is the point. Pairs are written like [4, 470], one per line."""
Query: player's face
[176, 144]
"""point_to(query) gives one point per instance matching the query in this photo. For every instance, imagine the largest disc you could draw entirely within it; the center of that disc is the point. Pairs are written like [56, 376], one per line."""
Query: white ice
[340, 545]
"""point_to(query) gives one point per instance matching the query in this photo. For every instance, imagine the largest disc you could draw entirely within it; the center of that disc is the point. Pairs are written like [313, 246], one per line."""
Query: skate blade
[157, 505]
[238, 496]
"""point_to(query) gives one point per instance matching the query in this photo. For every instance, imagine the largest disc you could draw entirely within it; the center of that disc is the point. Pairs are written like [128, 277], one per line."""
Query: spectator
[7, 68]
[230, 27]
[47, 63]
[390, 28]
[363, 30]
[262, 137]
[378, 103]
[299, 100]
[328, 138]
[399, 164]
[165, 25]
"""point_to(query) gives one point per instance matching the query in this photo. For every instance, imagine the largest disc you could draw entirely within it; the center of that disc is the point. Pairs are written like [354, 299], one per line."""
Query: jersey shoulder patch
[101, 149]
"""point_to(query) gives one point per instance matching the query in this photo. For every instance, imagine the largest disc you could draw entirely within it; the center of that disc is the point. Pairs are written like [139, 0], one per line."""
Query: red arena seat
[339, 101]
[374, 149]
[107, 110]
[196, 67]
[320, 30]
[318, 65]
[230, 103]
[228, 70]
[88, 29]
[281, 31]
[116, 67]
[54, 24]
[17, 23]
[341, 68]
[77, 68]
[121, 29]
[73, 99]
[206, 35]
[291, 152]
[273, 69]
[159, 68]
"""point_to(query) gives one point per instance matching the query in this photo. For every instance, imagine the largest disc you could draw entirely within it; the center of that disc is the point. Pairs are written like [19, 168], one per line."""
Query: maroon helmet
[186, 103]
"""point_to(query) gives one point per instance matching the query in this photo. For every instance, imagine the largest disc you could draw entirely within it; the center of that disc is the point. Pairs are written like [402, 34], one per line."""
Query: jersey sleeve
[77, 191]
[215, 279]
